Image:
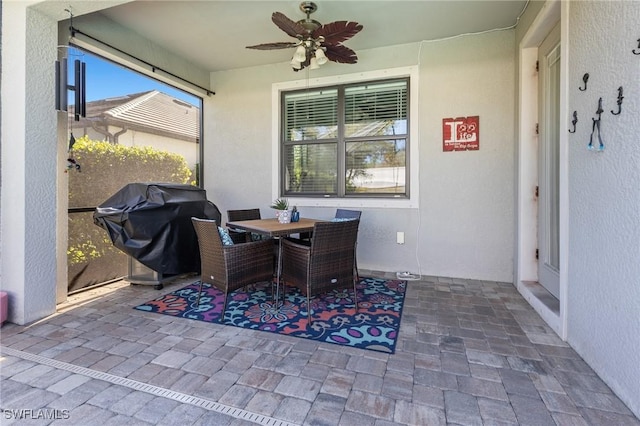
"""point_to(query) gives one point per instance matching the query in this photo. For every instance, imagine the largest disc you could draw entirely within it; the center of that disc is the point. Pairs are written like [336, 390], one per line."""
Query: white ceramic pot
[284, 216]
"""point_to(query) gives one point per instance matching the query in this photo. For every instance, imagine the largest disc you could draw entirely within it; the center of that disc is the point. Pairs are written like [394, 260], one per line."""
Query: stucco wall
[28, 163]
[604, 201]
[467, 197]
[464, 225]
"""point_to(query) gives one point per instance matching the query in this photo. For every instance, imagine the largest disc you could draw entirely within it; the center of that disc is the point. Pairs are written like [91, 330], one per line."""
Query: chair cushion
[342, 219]
[225, 237]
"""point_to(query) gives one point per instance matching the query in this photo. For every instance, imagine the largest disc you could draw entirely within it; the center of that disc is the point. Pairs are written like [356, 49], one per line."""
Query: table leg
[278, 271]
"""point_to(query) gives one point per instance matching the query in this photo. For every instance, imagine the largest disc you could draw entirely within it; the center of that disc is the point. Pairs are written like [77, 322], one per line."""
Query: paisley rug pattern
[374, 326]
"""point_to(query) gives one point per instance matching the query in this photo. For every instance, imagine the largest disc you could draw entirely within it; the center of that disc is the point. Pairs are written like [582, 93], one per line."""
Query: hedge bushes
[104, 169]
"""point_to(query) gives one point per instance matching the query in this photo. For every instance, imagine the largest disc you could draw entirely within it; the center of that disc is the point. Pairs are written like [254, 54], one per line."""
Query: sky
[105, 79]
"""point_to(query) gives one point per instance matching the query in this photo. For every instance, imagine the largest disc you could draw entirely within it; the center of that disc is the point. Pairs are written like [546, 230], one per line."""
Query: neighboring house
[472, 214]
[149, 118]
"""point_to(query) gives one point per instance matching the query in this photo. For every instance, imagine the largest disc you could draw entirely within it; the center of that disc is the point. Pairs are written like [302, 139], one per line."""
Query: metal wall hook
[585, 78]
[574, 121]
[596, 126]
[637, 51]
[620, 98]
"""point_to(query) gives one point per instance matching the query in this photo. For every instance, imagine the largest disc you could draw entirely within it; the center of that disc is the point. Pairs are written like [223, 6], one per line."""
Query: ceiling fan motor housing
[308, 7]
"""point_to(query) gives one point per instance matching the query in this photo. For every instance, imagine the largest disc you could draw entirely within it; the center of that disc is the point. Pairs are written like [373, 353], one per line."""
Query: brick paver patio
[469, 353]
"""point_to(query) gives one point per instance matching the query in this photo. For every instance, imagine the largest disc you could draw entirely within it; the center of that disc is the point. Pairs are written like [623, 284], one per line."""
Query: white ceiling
[214, 33]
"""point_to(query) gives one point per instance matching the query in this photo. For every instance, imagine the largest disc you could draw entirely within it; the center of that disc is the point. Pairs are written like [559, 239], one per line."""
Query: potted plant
[281, 206]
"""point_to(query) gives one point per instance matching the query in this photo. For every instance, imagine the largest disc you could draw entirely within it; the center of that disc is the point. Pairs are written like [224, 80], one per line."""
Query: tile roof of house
[151, 112]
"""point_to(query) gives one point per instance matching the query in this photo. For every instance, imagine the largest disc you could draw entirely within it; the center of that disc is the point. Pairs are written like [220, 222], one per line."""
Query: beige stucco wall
[29, 168]
[604, 201]
[599, 297]
[463, 226]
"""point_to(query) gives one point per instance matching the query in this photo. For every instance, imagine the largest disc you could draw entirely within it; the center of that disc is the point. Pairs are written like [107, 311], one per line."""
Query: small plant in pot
[281, 206]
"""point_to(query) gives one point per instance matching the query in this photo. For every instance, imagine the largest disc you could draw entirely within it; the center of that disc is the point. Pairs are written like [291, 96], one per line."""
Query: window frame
[411, 199]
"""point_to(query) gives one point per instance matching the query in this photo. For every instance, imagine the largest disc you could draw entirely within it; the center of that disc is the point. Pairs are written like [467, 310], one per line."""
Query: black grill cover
[151, 222]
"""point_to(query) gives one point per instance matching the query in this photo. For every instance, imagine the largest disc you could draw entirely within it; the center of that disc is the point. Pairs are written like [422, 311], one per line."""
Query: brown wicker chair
[231, 267]
[342, 214]
[350, 214]
[347, 214]
[326, 264]
[239, 236]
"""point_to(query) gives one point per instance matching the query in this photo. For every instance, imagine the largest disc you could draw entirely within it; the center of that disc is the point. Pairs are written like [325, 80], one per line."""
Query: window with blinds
[346, 141]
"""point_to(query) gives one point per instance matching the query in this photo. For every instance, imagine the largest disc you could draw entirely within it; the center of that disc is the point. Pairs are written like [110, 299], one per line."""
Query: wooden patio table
[273, 228]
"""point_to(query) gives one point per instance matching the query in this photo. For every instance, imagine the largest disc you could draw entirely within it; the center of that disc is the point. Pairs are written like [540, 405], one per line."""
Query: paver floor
[469, 353]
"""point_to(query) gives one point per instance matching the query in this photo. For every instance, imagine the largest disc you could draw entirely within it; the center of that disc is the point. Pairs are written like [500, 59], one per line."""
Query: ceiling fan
[317, 43]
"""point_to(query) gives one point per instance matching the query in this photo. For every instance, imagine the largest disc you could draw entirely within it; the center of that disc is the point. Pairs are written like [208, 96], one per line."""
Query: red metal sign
[461, 134]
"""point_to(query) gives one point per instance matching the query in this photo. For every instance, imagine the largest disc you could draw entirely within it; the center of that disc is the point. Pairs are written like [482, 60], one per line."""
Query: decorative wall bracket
[574, 122]
[620, 98]
[585, 78]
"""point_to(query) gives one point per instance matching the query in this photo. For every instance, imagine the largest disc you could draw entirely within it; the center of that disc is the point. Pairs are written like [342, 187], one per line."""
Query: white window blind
[346, 141]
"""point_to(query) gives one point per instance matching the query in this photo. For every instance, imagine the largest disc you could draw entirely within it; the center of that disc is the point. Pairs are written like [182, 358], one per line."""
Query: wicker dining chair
[240, 236]
[351, 214]
[348, 214]
[230, 267]
[324, 265]
[342, 214]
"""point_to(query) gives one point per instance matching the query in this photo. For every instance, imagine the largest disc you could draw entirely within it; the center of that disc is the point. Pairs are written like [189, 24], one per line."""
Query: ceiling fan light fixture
[321, 58]
[313, 63]
[301, 53]
[295, 64]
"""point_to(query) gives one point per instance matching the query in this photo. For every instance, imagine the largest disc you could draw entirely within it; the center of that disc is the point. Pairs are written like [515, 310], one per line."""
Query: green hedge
[104, 169]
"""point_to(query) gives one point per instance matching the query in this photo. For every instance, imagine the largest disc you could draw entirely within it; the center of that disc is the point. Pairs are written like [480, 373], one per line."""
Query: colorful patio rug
[375, 326]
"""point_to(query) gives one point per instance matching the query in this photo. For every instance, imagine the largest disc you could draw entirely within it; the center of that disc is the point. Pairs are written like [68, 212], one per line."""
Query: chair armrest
[256, 256]
[249, 247]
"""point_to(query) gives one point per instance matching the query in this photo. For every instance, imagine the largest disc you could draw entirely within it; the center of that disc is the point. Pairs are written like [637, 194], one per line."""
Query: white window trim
[407, 203]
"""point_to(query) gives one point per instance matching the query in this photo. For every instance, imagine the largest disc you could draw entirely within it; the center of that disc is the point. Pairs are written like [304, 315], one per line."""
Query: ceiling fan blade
[287, 25]
[337, 32]
[272, 46]
[341, 54]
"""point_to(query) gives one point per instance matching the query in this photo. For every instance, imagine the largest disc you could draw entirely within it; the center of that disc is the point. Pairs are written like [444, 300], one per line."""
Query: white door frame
[548, 130]
[527, 162]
